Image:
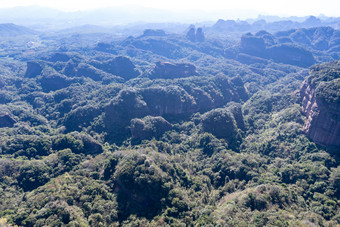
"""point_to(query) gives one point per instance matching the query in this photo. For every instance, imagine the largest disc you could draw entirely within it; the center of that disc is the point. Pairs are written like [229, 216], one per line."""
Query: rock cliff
[6, 120]
[320, 94]
[195, 35]
[173, 100]
[120, 66]
[167, 70]
[34, 68]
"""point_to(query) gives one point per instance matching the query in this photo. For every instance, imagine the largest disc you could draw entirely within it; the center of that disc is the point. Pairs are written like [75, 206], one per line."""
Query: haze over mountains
[111, 16]
[42, 18]
[113, 118]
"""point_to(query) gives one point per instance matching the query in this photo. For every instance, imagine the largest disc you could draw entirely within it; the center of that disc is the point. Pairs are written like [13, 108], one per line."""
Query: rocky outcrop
[191, 34]
[51, 80]
[179, 100]
[225, 123]
[70, 69]
[267, 46]
[118, 69]
[252, 45]
[118, 114]
[87, 70]
[6, 120]
[321, 104]
[120, 66]
[34, 68]
[148, 127]
[195, 35]
[200, 35]
[168, 100]
[167, 70]
[291, 54]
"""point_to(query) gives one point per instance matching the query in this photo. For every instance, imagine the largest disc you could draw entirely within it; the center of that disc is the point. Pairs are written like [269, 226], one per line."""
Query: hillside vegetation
[168, 130]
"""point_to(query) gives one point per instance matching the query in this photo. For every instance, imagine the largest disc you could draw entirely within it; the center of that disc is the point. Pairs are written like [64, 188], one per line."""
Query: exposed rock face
[200, 35]
[73, 69]
[290, 54]
[171, 102]
[118, 114]
[167, 70]
[119, 66]
[252, 45]
[6, 120]
[51, 80]
[34, 68]
[70, 69]
[284, 47]
[168, 100]
[195, 35]
[321, 104]
[191, 34]
[118, 69]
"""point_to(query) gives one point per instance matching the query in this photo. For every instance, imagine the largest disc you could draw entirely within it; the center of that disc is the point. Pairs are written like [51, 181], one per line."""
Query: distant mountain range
[41, 18]
[10, 29]
[125, 21]
[273, 26]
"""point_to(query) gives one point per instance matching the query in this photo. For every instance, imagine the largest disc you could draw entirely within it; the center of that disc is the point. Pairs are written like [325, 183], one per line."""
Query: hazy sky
[278, 7]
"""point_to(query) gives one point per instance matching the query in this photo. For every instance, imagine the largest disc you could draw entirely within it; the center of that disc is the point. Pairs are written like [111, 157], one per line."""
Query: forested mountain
[11, 29]
[162, 129]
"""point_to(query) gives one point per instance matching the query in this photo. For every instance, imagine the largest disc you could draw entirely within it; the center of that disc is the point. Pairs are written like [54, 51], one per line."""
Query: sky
[191, 10]
[266, 7]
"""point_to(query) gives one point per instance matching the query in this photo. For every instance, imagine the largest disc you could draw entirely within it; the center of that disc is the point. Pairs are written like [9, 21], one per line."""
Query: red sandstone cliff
[320, 102]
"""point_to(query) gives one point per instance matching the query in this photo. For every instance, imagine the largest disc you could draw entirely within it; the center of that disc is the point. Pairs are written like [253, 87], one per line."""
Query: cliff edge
[320, 93]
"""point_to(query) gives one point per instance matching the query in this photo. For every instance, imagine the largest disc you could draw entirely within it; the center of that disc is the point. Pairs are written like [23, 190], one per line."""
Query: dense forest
[164, 129]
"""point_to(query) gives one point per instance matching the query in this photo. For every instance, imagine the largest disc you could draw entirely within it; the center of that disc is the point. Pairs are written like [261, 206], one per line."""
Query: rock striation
[320, 94]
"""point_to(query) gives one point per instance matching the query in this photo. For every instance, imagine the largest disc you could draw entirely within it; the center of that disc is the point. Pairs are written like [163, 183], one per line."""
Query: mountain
[15, 30]
[155, 128]
[321, 104]
[234, 27]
